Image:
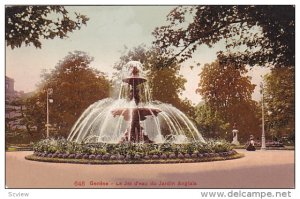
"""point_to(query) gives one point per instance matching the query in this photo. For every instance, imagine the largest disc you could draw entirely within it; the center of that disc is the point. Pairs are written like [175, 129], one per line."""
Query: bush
[121, 157]
[78, 156]
[72, 156]
[85, 156]
[194, 155]
[206, 155]
[200, 155]
[163, 156]
[180, 156]
[166, 147]
[172, 156]
[220, 146]
[130, 151]
[187, 155]
[211, 154]
[155, 152]
[113, 157]
[106, 157]
[127, 157]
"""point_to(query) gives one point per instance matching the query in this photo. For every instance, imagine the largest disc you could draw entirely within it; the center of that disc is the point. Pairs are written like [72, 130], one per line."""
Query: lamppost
[49, 92]
[263, 136]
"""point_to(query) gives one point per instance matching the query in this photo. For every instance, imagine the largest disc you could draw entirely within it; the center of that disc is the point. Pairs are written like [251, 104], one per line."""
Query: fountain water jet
[136, 119]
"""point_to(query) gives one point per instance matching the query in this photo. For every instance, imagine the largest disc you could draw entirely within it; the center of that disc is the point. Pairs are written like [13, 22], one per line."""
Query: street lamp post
[263, 136]
[49, 92]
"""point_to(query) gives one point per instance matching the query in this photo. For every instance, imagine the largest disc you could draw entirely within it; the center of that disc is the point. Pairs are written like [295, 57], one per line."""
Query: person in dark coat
[251, 146]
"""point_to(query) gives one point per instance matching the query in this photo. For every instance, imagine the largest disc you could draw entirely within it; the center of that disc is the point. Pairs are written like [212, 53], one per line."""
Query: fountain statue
[235, 135]
[133, 117]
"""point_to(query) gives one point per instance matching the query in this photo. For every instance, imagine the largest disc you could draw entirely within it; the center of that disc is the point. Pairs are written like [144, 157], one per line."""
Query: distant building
[9, 87]
[13, 111]
[10, 93]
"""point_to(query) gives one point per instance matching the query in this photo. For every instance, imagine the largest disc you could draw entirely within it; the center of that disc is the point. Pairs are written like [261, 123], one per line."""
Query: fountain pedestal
[235, 135]
[135, 116]
[135, 132]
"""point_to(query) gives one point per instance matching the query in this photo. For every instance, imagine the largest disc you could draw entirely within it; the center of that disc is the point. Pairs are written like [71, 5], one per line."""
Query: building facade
[13, 110]
[9, 87]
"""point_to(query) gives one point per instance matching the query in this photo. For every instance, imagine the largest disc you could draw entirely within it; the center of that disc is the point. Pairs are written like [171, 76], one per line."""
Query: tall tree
[34, 117]
[280, 100]
[29, 24]
[267, 32]
[75, 86]
[227, 91]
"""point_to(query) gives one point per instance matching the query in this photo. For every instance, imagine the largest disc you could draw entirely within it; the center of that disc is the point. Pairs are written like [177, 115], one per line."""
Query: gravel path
[259, 169]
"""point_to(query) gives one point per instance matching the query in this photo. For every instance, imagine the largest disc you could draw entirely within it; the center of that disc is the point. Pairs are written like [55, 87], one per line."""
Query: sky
[108, 31]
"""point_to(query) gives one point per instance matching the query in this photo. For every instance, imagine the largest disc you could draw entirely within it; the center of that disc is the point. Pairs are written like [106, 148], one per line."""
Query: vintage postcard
[150, 96]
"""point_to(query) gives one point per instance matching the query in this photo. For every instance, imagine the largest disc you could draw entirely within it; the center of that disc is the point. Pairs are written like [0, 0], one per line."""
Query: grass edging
[287, 148]
[143, 161]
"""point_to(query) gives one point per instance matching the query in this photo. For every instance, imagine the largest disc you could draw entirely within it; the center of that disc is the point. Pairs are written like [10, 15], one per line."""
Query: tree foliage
[210, 123]
[266, 32]
[75, 86]
[280, 100]
[35, 115]
[227, 92]
[18, 123]
[30, 24]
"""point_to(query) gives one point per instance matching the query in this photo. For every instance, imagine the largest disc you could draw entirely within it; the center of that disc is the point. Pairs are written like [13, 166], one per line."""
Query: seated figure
[251, 144]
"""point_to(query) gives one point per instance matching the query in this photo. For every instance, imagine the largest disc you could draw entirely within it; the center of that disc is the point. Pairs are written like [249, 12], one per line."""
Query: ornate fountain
[133, 116]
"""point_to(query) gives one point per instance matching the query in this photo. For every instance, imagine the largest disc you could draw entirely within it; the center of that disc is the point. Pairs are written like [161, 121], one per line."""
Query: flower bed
[61, 150]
